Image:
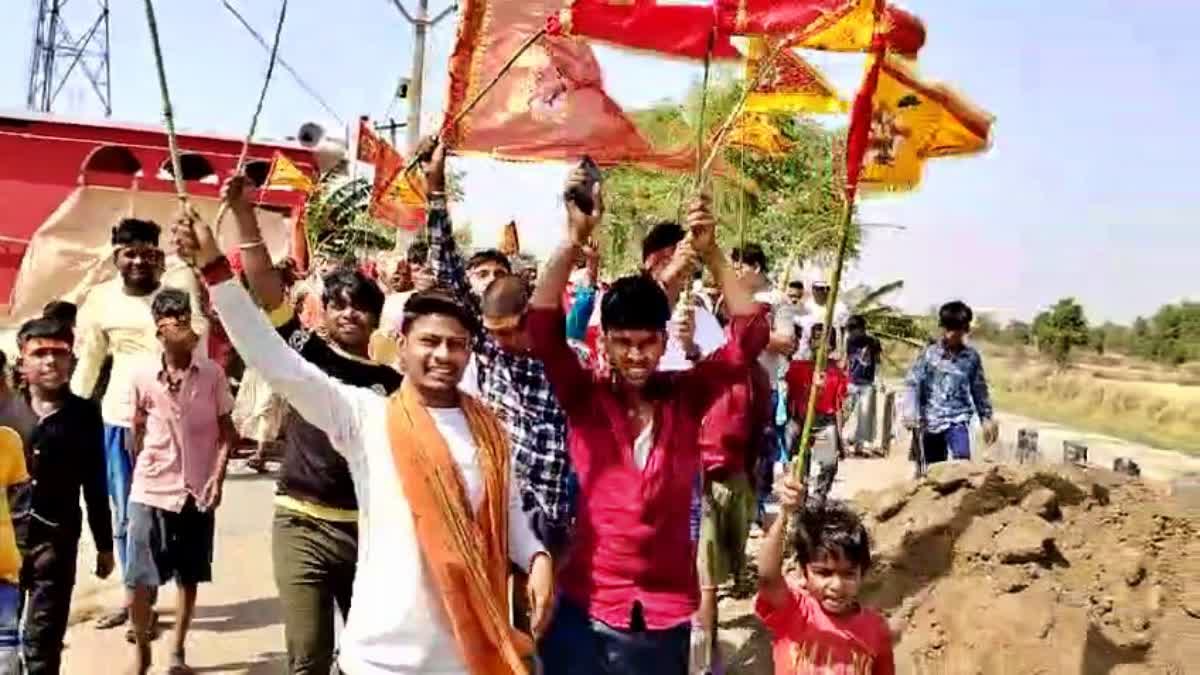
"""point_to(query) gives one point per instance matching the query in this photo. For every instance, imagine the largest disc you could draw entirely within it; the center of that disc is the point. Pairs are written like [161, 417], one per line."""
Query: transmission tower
[58, 52]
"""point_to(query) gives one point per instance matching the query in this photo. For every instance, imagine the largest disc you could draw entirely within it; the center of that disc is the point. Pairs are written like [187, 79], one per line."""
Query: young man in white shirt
[115, 320]
[428, 595]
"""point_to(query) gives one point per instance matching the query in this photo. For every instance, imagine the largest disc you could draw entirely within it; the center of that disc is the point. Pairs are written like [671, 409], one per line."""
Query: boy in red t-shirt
[827, 422]
[821, 630]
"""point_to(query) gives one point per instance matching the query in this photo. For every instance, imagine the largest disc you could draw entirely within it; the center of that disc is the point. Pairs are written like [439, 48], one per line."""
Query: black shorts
[164, 545]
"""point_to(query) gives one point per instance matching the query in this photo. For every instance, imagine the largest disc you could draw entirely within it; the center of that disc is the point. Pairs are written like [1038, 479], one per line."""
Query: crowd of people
[447, 423]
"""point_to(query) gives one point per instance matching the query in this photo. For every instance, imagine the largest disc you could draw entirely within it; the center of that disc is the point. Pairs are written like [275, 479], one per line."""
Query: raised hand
[193, 239]
[702, 226]
[435, 167]
[236, 192]
[580, 225]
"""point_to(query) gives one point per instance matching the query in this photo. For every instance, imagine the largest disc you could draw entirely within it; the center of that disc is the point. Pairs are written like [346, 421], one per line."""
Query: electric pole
[421, 24]
[57, 53]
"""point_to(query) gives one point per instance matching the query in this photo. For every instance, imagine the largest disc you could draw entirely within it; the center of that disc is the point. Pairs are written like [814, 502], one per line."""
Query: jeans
[576, 644]
[10, 626]
[120, 479]
[47, 579]
[314, 563]
[954, 442]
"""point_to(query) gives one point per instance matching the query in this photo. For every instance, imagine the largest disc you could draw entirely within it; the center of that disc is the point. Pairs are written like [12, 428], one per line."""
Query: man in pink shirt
[629, 583]
[182, 433]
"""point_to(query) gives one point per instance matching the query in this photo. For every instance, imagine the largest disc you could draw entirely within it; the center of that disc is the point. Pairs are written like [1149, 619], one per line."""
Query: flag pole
[856, 146]
[262, 97]
[723, 131]
[168, 112]
[512, 60]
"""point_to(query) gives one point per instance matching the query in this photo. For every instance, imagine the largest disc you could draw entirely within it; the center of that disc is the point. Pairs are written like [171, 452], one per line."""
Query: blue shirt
[946, 387]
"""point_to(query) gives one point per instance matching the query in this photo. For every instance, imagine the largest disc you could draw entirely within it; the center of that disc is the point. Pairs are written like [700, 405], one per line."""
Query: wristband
[216, 271]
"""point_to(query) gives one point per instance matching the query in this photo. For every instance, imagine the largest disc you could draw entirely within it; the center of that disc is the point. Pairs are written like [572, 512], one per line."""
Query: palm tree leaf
[874, 296]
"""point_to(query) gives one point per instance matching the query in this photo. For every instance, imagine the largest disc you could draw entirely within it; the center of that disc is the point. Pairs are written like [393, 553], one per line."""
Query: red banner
[551, 105]
[674, 30]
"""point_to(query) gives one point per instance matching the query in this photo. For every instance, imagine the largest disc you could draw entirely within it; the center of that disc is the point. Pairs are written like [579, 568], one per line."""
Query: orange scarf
[466, 551]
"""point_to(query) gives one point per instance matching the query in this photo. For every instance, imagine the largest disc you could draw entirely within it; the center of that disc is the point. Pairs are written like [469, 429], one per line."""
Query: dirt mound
[996, 569]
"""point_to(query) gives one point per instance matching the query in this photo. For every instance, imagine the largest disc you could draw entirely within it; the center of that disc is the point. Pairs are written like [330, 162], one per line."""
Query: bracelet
[247, 245]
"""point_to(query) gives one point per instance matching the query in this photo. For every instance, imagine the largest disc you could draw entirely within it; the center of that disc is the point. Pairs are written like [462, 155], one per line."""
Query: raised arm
[325, 403]
[773, 591]
[739, 301]
[546, 324]
[265, 281]
[444, 257]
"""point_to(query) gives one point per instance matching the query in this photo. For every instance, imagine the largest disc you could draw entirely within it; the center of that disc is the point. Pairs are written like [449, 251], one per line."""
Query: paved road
[237, 629]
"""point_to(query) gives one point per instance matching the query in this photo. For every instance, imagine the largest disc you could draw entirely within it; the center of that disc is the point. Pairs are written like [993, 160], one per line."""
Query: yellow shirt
[12, 472]
[113, 322]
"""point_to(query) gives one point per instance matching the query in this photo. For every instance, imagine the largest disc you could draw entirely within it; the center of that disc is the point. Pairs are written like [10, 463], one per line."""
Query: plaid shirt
[516, 388]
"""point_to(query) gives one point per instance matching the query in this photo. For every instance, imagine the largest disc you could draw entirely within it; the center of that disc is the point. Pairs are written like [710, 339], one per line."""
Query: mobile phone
[582, 194]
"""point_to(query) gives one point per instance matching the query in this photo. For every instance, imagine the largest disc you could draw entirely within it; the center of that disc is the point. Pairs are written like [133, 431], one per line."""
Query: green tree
[1018, 333]
[1061, 328]
[885, 321]
[791, 205]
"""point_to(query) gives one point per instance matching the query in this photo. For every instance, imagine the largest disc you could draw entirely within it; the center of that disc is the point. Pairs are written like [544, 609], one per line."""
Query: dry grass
[1158, 413]
[1112, 394]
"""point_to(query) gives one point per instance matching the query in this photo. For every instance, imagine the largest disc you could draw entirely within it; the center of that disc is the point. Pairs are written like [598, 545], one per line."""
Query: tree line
[1170, 336]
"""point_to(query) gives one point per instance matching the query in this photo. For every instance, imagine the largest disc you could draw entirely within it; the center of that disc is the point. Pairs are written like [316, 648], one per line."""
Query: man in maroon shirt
[629, 583]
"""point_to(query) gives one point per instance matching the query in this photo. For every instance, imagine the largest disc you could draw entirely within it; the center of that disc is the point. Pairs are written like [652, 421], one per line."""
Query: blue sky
[1089, 189]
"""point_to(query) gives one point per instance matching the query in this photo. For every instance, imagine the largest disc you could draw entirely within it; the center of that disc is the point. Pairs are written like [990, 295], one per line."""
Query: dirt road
[237, 629]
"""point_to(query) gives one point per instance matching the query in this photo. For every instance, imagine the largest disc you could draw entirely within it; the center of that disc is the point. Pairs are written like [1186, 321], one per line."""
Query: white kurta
[396, 623]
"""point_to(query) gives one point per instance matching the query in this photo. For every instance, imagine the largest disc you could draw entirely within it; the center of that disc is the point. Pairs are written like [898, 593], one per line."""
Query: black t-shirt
[862, 352]
[312, 470]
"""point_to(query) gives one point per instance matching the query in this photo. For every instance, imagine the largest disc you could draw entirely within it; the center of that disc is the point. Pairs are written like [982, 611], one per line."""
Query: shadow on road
[270, 663]
[232, 618]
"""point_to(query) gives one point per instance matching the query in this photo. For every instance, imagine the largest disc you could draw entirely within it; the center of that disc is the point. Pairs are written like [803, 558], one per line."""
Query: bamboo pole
[800, 464]
[168, 112]
[767, 64]
[512, 60]
[262, 97]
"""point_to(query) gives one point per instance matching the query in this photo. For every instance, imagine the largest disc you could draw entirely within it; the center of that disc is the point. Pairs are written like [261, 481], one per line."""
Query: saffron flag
[285, 174]
[682, 29]
[851, 28]
[790, 83]
[756, 131]
[551, 105]
[510, 241]
[912, 121]
[397, 196]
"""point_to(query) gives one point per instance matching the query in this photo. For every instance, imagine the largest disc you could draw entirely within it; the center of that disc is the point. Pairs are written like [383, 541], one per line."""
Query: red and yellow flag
[681, 29]
[912, 121]
[833, 25]
[756, 131]
[397, 196]
[285, 174]
[790, 84]
[851, 28]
